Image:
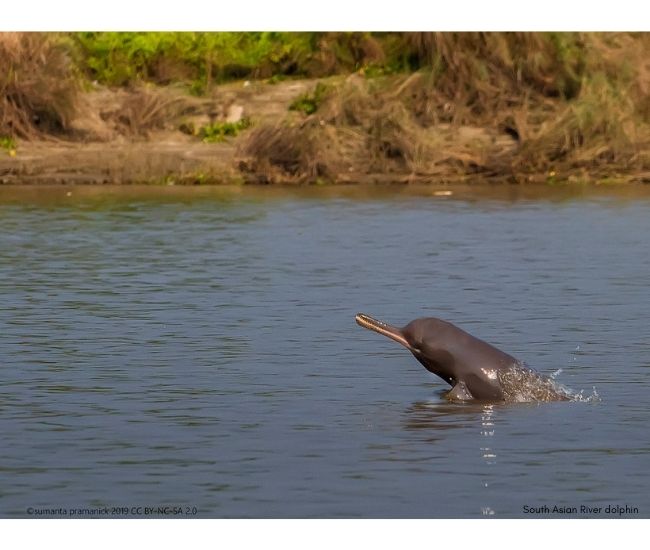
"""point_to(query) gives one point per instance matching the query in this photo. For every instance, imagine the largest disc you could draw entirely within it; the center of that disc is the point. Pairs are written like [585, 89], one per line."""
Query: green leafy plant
[7, 143]
[310, 102]
[201, 59]
[219, 131]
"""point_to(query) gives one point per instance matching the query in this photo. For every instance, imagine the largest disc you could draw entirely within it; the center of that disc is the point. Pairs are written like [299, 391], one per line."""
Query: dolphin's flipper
[459, 393]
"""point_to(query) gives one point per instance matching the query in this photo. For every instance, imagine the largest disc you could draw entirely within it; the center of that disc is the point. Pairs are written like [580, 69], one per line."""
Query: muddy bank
[148, 135]
[281, 146]
[362, 131]
[159, 162]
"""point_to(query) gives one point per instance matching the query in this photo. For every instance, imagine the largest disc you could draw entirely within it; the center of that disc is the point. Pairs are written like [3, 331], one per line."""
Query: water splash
[593, 397]
[521, 384]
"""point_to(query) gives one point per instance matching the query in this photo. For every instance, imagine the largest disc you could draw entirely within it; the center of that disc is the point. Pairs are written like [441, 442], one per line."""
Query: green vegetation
[219, 131]
[7, 143]
[201, 59]
[310, 102]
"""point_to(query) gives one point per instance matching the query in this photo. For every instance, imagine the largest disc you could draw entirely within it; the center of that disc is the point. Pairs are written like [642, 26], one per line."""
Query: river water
[194, 351]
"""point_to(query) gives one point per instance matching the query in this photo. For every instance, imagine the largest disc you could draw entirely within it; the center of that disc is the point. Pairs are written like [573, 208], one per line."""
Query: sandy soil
[106, 148]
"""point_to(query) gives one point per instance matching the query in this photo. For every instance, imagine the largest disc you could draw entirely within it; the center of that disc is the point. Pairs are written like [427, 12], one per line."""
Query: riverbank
[149, 134]
[282, 146]
[465, 108]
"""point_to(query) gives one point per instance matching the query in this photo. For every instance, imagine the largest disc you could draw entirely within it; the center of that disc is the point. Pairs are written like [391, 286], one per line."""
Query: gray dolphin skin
[469, 365]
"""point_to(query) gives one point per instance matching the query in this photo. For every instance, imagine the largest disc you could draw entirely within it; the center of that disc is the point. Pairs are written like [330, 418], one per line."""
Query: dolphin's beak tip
[366, 321]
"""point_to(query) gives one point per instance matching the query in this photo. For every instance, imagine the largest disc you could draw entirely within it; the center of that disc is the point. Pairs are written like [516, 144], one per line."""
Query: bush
[200, 58]
[38, 88]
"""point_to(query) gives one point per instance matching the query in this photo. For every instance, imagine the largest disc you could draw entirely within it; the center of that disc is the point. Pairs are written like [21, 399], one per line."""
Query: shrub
[38, 88]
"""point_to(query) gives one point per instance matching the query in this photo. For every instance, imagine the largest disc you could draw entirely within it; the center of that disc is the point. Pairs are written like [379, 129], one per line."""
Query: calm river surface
[196, 348]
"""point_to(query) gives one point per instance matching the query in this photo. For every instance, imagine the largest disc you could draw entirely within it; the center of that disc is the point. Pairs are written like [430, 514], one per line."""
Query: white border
[343, 15]
[322, 534]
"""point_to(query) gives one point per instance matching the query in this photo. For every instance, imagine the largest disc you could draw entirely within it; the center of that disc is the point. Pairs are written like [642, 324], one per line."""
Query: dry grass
[143, 110]
[498, 105]
[300, 153]
[38, 90]
[357, 131]
[607, 124]
[40, 96]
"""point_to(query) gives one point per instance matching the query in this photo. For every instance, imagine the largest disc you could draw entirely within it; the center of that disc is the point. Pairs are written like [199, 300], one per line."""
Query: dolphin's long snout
[382, 328]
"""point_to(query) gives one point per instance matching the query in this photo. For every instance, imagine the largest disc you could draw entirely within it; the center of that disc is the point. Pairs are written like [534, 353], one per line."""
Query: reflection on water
[476, 420]
[489, 453]
[197, 347]
[440, 414]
